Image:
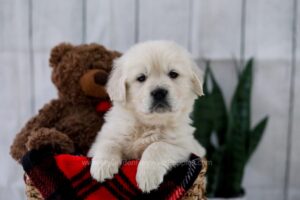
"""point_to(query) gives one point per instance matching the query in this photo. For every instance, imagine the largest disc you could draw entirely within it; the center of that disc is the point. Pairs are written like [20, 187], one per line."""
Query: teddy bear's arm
[39, 131]
[43, 137]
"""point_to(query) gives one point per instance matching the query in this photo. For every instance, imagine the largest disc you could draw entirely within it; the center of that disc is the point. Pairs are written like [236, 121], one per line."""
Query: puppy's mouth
[160, 107]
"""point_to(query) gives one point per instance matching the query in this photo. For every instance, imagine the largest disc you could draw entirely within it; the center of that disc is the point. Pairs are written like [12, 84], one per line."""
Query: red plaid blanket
[67, 177]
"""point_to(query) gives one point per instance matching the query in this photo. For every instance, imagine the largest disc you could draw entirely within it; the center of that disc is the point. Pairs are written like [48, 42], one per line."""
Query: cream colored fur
[132, 131]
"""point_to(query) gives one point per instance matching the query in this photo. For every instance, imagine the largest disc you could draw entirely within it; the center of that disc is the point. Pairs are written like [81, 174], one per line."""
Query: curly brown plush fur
[70, 123]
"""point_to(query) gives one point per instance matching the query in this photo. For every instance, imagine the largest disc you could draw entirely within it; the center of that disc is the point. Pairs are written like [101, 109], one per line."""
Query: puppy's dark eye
[173, 74]
[141, 78]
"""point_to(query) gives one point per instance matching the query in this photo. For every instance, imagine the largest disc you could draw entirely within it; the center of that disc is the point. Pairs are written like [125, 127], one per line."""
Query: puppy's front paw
[149, 175]
[102, 169]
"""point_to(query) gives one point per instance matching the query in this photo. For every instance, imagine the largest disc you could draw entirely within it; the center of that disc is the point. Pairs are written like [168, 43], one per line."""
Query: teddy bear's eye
[141, 78]
[173, 74]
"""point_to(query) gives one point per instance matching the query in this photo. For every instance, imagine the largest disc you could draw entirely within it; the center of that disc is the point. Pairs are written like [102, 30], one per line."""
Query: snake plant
[227, 135]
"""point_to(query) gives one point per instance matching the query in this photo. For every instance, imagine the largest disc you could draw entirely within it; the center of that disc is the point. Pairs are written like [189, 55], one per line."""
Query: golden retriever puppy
[153, 87]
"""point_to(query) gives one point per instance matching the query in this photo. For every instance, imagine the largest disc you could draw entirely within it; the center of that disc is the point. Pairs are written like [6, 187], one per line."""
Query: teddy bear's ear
[58, 52]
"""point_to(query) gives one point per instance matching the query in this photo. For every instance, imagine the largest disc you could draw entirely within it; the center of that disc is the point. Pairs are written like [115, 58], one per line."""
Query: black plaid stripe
[113, 191]
[107, 186]
[192, 171]
[79, 176]
[122, 189]
[83, 184]
[129, 183]
[120, 192]
[89, 191]
[43, 171]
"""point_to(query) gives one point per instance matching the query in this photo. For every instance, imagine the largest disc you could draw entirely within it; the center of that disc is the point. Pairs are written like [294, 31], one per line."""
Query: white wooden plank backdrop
[268, 37]
[220, 30]
[293, 175]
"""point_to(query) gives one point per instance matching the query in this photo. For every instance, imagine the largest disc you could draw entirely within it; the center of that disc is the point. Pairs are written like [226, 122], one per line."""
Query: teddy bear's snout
[93, 81]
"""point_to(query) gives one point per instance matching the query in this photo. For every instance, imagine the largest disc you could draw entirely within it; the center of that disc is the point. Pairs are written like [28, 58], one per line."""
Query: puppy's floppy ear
[197, 79]
[116, 86]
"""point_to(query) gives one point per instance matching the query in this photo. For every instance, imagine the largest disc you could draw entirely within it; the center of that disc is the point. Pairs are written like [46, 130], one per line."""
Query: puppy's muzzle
[160, 102]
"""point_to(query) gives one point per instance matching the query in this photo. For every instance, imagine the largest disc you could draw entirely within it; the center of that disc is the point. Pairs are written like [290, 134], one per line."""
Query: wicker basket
[196, 192]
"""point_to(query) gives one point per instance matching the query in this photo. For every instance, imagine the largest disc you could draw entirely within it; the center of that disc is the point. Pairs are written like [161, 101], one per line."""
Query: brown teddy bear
[70, 123]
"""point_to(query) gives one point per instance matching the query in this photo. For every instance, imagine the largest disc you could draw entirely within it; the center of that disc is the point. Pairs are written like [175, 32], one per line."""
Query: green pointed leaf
[213, 172]
[203, 125]
[220, 120]
[256, 135]
[240, 106]
[239, 116]
[235, 155]
[207, 71]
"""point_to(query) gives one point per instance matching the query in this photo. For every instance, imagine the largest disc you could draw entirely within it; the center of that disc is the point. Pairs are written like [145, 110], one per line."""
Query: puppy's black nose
[159, 94]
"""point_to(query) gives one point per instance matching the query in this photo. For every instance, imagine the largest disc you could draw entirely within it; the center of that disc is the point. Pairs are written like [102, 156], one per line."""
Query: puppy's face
[155, 79]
